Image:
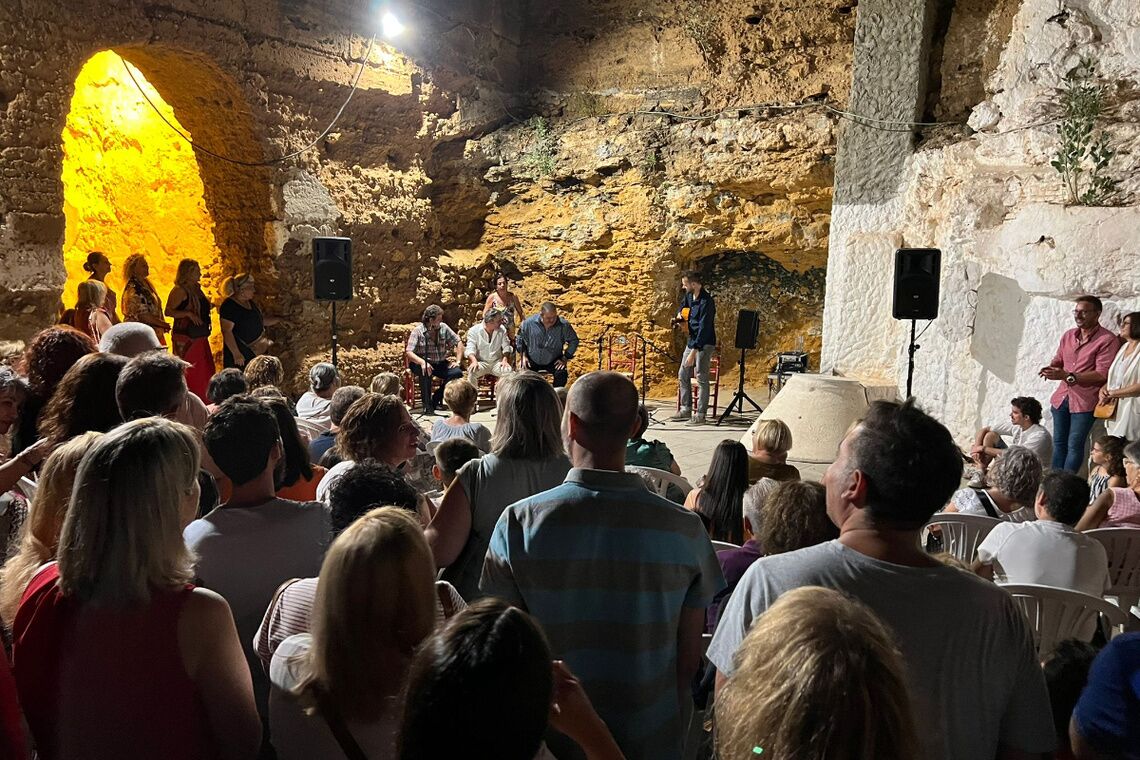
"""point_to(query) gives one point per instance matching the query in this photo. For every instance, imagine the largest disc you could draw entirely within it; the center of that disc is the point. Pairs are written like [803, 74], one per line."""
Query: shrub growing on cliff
[539, 159]
[1083, 156]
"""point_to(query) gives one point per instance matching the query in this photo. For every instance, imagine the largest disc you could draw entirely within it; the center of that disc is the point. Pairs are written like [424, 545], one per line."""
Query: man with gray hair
[129, 339]
[546, 343]
[488, 348]
[618, 577]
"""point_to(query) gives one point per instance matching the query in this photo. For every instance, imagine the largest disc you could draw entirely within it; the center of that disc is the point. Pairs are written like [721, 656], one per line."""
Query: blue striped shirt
[607, 567]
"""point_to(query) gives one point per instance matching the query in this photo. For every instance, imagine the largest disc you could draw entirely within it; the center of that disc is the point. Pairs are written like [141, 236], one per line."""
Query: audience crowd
[208, 566]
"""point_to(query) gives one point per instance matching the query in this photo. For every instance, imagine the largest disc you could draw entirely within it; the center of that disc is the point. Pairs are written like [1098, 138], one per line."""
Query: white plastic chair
[722, 545]
[660, 480]
[1056, 614]
[1122, 545]
[961, 534]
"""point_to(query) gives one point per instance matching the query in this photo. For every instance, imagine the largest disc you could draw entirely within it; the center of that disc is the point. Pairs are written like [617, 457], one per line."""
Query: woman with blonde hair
[243, 324]
[334, 690]
[90, 315]
[190, 309]
[98, 266]
[817, 678]
[771, 442]
[527, 456]
[116, 654]
[40, 533]
[140, 299]
[461, 398]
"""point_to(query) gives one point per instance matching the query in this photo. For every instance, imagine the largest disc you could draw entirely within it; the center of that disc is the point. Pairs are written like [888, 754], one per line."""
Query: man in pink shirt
[1081, 364]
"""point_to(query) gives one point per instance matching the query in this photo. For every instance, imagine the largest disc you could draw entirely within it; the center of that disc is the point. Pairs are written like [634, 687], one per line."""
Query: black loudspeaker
[916, 283]
[747, 328]
[332, 269]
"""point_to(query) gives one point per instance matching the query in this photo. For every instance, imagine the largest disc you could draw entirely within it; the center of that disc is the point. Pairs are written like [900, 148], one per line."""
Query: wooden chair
[1122, 545]
[1056, 614]
[961, 534]
[412, 386]
[486, 391]
[714, 386]
[622, 356]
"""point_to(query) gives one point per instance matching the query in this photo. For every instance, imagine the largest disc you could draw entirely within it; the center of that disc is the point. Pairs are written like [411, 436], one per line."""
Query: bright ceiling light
[391, 25]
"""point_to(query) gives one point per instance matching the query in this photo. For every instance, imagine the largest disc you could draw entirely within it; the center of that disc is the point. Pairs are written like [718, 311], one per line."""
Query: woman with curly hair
[190, 309]
[1014, 478]
[1106, 468]
[140, 300]
[264, 370]
[84, 399]
[48, 357]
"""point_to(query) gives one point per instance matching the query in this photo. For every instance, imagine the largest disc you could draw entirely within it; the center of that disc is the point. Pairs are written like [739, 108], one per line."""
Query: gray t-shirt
[476, 432]
[971, 662]
[492, 484]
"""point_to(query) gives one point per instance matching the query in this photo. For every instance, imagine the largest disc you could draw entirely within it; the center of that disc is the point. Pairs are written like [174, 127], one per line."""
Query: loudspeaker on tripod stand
[747, 328]
[916, 283]
[332, 269]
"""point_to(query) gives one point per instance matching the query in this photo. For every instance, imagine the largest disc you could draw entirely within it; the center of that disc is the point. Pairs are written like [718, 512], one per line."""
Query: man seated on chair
[428, 354]
[1024, 427]
[546, 343]
[488, 348]
[1048, 551]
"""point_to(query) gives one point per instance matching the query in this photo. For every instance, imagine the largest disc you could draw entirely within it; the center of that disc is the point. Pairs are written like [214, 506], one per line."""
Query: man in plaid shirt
[429, 354]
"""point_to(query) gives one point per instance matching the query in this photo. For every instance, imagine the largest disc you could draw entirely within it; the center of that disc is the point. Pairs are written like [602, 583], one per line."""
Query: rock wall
[1014, 255]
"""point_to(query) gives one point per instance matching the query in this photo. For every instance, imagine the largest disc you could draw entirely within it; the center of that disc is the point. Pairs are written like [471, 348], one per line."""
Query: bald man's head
[605, 405]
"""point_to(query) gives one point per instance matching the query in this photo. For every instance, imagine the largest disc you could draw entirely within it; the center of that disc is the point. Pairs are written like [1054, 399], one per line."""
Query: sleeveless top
[106, 682]
[1097, 485]
[1125, 510]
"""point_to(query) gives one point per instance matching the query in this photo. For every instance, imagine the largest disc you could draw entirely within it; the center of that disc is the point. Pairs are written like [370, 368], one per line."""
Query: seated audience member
[386, 384]
[84, 400]
[893, 471]
[1048, 551]
[254, 541]
[791, 692]
[129, 339]
[152, 384]
[771, 442]
[13, 503]
[1118, 507]
[40, 535]
[299, 478]
[1106, 721]
[1014, 479]
[1066, 672]
[651, 573]
[314, 403]
[116, 654]
[547, 343]
[341, 400]
[488, 675]
[228, 382]
[487, 348]
[642, 453]
[13, 743]
[1024, 427]
[719, 500]
[374, 427]
[1107, 465]
[526, 457]
[733, 562]
[263, 370]
[450, 456]
[461, 397]
[338, 685]
[48, 357]
[362, 488]
[429, 353]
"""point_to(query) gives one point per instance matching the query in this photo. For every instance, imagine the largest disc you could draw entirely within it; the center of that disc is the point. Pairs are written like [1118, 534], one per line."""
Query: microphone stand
[645, 342]
[601, 340]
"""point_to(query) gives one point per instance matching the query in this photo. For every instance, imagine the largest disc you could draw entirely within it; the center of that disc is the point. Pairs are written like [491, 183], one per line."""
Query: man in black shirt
[698, 311]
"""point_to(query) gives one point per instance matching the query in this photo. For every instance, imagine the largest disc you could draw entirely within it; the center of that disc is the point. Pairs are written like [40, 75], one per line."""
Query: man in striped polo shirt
[618, 577]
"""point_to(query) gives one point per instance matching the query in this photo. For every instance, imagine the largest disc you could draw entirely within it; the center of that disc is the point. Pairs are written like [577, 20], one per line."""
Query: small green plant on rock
[539, 160]
[1083, 157]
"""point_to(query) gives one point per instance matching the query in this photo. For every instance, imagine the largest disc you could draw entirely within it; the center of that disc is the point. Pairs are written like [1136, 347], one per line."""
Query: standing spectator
[190, 340]
[342, 399]
[1081, 365]
[243, 324]
[698, 312]
[1118, 507]
[547, 343]
[1014, 477]
[719, 500]
[140, 300]
[429, 354]
[461, 398]
[488, 348]
[893, 471]
[1106, 721]
[314, 404]
[618, 577]
[1123, 385]
[374, 427]
[98, 266]
[115, 653]
[1106, 465]
[791, 690]
[527, 457]
[1024, 427]
[771, 442]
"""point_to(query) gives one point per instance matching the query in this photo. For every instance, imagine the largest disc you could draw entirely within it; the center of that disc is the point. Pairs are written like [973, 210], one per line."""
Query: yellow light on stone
[130, 184]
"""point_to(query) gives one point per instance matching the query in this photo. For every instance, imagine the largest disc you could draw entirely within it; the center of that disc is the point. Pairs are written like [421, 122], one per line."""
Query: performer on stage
[190, 309]
[429, 354]
[140, 299]
[507, 302]
[698, 311]
[98, 266]
[488, 348]
[546, 343]
[243, 324]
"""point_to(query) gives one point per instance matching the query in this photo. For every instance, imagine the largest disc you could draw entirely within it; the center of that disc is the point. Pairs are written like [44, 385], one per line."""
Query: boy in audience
[971, 662]
[450, 455]
[255, 541]
[618, 576]
[1048, 551]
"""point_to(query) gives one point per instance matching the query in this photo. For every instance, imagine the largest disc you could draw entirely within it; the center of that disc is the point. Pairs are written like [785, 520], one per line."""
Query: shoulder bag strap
[340, 731]
[987, 503]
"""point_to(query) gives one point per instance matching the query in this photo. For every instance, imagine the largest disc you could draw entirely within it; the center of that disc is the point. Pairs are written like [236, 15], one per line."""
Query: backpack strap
[339, 729]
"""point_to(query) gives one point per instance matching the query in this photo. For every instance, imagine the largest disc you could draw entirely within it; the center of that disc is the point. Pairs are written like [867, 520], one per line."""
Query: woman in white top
[1013, 482]
[314, 403]
[1124, 382]
[374, 427]
[461, 397]
[334, 690]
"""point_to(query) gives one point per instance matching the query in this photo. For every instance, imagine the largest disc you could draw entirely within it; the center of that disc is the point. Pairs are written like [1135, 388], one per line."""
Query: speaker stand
[910, 358]
[740, 396]
[334, 334]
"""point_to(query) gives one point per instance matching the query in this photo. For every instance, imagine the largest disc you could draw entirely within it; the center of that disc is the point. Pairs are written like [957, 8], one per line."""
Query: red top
[12, 743]
[102, 682]
[1076, 356]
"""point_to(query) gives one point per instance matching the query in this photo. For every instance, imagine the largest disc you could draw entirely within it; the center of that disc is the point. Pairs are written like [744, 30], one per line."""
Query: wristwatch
[1071, 379]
